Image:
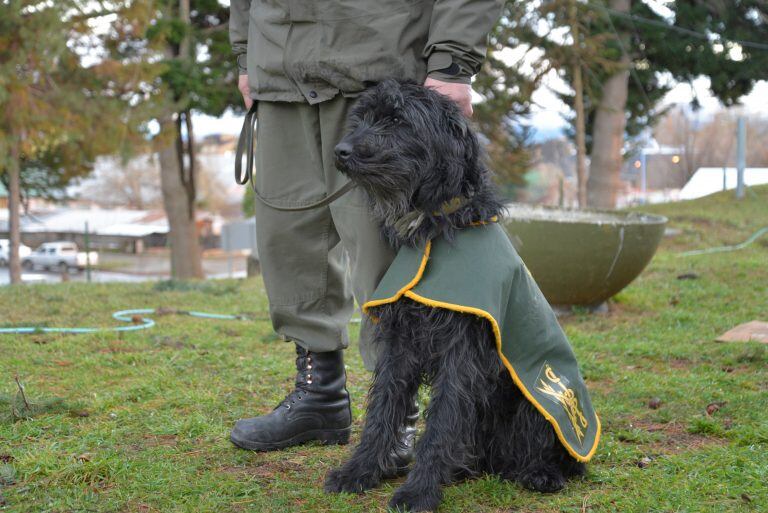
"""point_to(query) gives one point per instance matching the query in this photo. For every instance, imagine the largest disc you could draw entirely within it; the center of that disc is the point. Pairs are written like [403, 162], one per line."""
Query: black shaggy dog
[412, 150]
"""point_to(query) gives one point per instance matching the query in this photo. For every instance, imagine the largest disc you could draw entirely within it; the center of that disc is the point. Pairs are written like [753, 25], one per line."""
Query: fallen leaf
[644, 462]
[137, 319]
[655, 403]
[688, 276]
[84, 457]
[713, 407]
[6, 458]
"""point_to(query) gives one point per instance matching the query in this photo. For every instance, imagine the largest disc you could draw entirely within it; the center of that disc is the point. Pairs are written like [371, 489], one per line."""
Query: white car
[61, 256]
[5, 248]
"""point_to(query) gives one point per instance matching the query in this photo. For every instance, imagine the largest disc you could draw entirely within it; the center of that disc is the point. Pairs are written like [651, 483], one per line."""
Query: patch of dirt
[228, 332]
[160, 440]
[140, 507]
[676, 437]
[266, 469]
[172, 342]
[604, 386]
[149, 441]
[118, 346]
[680, 363]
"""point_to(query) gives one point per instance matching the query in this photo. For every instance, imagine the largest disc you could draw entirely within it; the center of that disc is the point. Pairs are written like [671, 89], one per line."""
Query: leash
[245, 144]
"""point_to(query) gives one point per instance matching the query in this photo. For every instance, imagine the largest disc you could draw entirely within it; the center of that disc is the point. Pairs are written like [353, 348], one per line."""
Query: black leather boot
[402, 455]
[317, 409]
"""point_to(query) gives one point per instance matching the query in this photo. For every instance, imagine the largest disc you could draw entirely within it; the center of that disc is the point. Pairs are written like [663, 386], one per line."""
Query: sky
[547, 114]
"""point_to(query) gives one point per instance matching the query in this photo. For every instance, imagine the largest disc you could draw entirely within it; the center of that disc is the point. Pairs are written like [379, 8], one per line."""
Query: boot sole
[324, 436]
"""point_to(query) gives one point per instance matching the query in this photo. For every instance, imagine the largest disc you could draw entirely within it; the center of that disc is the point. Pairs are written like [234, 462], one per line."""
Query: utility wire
[675, 28]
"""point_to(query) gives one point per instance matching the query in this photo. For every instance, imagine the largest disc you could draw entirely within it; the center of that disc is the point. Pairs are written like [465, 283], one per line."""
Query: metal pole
[87, 241]
[643, 175]
[741, 155]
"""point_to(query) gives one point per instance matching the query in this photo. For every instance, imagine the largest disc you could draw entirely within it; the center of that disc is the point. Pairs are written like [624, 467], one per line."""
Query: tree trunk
[177, 178]
[608, 132]
[14, 211]
[179, 203]
[578, 86]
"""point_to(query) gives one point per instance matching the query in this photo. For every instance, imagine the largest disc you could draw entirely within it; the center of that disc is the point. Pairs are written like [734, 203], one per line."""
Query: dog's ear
[444, 181]
[390, 92]
[473, 169]
[467, 148]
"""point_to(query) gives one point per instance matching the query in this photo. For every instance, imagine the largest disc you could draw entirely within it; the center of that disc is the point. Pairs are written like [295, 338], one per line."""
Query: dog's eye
[395, 120]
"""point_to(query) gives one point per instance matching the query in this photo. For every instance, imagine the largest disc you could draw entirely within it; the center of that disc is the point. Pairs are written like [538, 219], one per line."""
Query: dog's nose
[343, 150]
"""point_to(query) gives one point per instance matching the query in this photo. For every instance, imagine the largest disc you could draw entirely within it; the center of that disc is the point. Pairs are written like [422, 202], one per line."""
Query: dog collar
[410, 221]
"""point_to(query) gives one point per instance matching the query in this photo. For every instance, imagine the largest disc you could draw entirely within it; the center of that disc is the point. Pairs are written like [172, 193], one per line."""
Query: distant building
[124, 230]
[708, 180]
[653, 174]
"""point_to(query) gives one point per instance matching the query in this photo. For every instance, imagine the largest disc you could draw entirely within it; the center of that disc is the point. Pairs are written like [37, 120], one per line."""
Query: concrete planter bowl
[583, 257]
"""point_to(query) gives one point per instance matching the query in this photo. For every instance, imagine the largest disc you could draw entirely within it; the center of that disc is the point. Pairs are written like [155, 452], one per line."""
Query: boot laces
[303, 379]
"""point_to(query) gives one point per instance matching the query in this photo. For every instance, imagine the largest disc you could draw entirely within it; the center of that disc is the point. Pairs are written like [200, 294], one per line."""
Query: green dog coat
[480, 273]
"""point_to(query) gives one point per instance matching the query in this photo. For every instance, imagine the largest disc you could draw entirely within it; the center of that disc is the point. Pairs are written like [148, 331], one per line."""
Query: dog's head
[410, 148]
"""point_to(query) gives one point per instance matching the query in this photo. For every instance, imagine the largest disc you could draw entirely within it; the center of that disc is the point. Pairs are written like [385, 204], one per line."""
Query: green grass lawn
[138, 422]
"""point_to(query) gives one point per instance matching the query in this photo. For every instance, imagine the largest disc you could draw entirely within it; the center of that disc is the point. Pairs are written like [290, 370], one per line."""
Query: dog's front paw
[407, 498]
[351, 479]
[543, 480]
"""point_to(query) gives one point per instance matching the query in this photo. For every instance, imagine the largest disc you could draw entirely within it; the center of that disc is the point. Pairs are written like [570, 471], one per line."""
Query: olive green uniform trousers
[313, 261]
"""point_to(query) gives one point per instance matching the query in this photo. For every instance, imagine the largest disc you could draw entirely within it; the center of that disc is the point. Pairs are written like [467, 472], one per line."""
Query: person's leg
[305, 277]
[302, 265]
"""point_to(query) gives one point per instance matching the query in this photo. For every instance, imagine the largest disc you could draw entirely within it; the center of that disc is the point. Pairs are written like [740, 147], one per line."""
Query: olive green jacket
[310, 50]
[480, 273]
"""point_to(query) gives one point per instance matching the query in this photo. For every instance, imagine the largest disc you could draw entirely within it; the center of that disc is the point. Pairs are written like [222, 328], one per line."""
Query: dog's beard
[389, 187]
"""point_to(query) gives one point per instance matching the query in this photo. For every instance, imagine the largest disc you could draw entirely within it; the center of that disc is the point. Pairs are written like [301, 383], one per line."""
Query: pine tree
[506, 94]
[726, 41]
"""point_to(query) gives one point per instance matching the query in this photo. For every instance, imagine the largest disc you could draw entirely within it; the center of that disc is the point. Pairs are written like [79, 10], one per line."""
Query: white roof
[117, 222]
[708, 180]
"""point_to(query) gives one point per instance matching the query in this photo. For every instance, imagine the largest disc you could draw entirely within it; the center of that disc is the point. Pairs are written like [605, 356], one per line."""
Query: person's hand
[245, 90]
[459, 93]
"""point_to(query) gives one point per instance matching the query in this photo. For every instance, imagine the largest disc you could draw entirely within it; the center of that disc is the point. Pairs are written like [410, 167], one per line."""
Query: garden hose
[137, 320]
[135, 317]
[722, 249]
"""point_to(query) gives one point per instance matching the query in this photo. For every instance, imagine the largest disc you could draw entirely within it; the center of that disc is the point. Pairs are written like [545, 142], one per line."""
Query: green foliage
[733, 68]
[203, 79]
[60, 112]
[506, 93]
[656, 46]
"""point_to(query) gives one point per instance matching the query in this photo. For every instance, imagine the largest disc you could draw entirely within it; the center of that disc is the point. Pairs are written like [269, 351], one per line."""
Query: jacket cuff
[446, 67]
[242, 64]
[443, 77]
